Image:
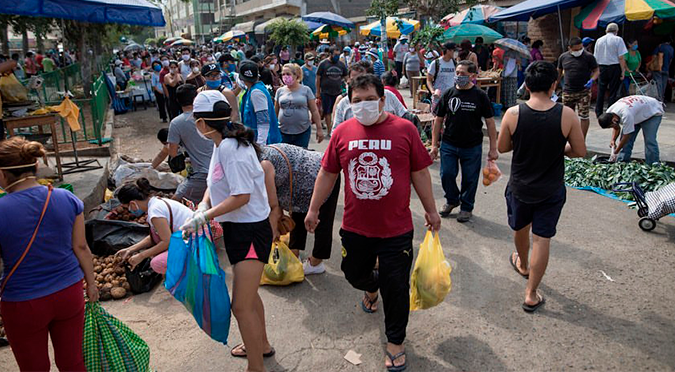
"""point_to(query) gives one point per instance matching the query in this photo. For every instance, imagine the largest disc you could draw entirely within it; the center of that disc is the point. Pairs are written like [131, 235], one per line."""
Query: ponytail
[135, 191]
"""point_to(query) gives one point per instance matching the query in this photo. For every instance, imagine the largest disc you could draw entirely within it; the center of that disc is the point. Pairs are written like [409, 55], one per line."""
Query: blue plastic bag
[194, 277]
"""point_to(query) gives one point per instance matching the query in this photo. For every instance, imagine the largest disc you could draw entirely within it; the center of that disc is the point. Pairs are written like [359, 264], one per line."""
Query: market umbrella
[395, 27]
[329, 18]
[229, 35]
[478, 14]
[329, 31]
[133, 46]
[602, 12]
[471, 32]
[171, 40]
[182, 42]
[133, 12]
[514, 45]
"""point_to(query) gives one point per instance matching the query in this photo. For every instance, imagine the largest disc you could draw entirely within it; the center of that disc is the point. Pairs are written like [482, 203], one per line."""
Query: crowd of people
[244, 121]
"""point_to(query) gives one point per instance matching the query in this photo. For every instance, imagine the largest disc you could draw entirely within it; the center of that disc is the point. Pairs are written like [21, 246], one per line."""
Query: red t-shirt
[377, 162]
[397, 94]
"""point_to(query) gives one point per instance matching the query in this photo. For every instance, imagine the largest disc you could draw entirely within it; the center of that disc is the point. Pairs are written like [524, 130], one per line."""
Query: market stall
[40, 121]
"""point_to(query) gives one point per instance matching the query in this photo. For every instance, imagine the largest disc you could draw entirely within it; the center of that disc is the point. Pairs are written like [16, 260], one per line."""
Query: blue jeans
[661, 82]
[469, 159]
[300, 139]
[649, 127]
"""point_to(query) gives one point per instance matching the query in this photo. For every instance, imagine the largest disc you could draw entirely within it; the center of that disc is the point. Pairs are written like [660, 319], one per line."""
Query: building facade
[195, 20]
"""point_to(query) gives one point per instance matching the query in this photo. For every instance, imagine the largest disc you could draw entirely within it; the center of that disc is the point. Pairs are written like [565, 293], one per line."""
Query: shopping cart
[651, 206]
[641, 86]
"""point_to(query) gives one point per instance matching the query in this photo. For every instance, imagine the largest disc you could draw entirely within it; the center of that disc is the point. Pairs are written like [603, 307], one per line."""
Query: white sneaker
[310, 270]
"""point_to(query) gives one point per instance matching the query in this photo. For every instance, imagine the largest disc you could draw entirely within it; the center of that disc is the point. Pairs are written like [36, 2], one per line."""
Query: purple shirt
[536, 55]
[51, 264]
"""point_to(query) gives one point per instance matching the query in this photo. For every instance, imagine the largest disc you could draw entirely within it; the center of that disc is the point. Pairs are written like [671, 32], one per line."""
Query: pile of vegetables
[588, 172]
[111, 278]
[121, 213]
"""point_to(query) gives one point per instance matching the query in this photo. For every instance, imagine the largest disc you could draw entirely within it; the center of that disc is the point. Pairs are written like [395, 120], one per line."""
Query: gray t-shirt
[182, 131]
[446, 75]
[294, 115]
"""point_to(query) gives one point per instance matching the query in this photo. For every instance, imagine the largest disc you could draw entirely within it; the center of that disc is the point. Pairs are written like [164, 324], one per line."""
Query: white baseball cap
[205, 100]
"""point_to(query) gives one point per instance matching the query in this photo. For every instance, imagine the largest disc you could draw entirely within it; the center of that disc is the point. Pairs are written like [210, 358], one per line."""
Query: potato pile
[121, 213]
[111, 278]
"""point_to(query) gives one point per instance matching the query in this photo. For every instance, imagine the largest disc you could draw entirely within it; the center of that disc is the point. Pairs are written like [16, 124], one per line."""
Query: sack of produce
[109, 345]
[430, 281]
[283, 268]
[491, 173]
[12, 90]
[194, 278]
[143, 278]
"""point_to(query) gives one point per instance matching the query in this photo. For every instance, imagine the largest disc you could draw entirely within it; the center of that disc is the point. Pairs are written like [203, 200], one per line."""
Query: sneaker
[464, 216]
[447, 209]
[310, 270]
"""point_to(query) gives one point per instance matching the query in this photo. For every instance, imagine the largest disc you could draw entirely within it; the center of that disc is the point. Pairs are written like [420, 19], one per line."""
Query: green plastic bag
[109, 345]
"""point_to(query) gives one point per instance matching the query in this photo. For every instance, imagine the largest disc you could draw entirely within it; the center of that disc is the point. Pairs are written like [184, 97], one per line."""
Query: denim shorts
[543, 216]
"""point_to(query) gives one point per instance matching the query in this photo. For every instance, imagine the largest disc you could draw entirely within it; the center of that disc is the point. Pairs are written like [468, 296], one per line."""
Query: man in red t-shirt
[381, 156]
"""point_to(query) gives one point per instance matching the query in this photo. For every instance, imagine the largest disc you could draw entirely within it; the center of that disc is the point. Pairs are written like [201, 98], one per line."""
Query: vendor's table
[38, 121]
[486, 82]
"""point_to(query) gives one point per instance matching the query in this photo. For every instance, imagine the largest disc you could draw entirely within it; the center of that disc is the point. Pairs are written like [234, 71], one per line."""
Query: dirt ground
[620, 322]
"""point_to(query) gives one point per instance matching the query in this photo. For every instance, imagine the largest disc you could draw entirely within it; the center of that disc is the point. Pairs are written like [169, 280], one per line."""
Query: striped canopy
[229, 35]
[602, 12]
[395, 27]
[329, 31]
[478, 14]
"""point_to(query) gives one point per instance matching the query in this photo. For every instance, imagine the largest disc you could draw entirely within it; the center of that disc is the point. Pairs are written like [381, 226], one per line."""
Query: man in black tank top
[540, 133]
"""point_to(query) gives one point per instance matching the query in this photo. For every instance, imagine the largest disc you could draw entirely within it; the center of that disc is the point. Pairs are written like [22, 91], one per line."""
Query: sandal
[533, 308]
[369, 307]
[242, 348]
[513, 261]
[395, 368]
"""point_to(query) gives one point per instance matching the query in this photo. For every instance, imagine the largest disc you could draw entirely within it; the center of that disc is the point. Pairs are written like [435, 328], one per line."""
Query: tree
[289, 32]
[429, 35]
[40, 27]
[437, 9]
[4, 33]
[151, 41]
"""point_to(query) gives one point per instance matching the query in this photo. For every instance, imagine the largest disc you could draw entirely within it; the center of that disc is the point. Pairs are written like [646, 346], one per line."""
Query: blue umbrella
[133, 12]
[329, 18]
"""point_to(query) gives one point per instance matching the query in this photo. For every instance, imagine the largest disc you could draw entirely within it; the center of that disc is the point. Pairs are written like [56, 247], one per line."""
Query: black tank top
[538, 165]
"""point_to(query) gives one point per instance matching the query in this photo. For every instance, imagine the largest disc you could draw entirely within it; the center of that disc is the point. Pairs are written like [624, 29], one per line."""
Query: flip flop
[515, 266]
[533, 308]
[368, 309]
[393, 367]
[241, 346]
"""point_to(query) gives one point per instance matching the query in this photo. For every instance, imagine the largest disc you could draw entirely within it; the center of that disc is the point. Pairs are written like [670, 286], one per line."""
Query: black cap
[209, 68]
[248, 71]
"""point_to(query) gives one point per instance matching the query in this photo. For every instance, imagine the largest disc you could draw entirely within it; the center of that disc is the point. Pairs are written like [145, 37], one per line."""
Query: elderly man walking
[609, 52]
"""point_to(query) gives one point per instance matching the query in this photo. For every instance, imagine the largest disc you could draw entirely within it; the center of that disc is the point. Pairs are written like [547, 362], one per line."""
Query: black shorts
[247, 241]
[543, 216]
[327, 103]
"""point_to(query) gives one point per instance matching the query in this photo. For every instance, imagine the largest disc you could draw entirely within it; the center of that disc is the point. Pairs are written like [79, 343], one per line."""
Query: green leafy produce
[586, 172]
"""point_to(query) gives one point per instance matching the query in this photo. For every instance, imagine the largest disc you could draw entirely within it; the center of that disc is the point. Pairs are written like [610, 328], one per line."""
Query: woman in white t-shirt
[164, 217]
[237, 198]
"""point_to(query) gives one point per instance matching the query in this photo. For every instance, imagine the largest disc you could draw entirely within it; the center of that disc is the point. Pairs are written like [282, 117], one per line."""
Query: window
[207, 18]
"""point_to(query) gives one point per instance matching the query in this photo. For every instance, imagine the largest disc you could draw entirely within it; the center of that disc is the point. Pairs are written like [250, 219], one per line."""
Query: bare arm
[164, 231]
[430, 82]
[624, 140]
[7, 66]
[316, 118]
[228, 205]
[276, 107]
[509, 121]
[84, 257]
[421, 180]
[576, 146]
[275, 209]
[492, 135]
[173, 149]
[232, 100]
[161, 156]
[325, 181]
[317, 83]
[595, 74]
[436, 135]
[615, 135]
[624, 67]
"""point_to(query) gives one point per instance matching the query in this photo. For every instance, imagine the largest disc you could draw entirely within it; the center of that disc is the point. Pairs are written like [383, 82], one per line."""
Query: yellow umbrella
[395, 27]
[329, 31]
[229, 35]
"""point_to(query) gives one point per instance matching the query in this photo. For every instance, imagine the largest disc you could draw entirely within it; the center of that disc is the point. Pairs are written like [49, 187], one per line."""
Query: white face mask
[272, 66]
[195, 70]
[186, 57]
[577, 53]
[367, 112]
[310, 63]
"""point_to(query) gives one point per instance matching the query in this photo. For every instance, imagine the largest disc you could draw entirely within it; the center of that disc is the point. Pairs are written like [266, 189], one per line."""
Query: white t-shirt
[634, 110]
[236, 170]
[608, 49]
[400, 50]
[343, 111]
[446, 75]
[158, 209]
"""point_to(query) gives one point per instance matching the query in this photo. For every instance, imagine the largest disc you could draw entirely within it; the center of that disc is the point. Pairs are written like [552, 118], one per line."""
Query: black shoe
[447, 209]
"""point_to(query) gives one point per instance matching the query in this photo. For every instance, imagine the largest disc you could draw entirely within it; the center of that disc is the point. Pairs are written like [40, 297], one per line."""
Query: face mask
[157, 68]
[174, 70]
[577, 53]
[272, 66]
[310, 63]
[195, 70]
[231, 68]
[209, 59]
[634, 47]
[367, 112]
[186, 57]
[288, 79]
[462, 80]
[165, 63]
[213, 84]
[136, 212]
[412, 50]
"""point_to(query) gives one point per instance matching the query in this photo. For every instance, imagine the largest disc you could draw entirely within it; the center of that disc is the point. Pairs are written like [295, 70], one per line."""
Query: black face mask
[335, 59]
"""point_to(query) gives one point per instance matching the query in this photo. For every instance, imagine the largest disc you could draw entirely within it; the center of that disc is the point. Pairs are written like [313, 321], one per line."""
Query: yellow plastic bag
[12, 90]
[430, 281]
[283, 268]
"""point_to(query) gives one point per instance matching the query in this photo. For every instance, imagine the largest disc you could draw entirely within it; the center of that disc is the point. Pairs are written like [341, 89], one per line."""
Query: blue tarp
[133, 12]
[535, 8]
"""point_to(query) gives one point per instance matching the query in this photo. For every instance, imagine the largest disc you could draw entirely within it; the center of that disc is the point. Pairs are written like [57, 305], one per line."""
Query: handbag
[177, 163]
[30, 242]
[286, 223]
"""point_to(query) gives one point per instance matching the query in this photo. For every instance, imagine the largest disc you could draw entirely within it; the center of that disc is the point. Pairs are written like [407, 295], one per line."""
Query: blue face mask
[213, 84]
[634, 47]
[157, 68]
[231, 68]
[137, 213]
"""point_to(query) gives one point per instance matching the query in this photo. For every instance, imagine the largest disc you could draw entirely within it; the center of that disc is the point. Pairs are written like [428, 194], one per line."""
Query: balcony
[252, 7]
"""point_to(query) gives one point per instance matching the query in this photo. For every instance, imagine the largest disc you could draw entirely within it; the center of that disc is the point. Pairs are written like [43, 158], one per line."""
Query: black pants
[323, 235]
[610, 81]
[393, 279]
[161, 105]
[399, 69]
[172, 103]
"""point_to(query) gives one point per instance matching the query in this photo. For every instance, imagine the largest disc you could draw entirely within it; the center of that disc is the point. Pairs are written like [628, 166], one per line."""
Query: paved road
[588, 322]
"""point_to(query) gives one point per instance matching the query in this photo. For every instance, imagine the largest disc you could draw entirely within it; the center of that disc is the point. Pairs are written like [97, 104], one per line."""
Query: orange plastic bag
[491, 173]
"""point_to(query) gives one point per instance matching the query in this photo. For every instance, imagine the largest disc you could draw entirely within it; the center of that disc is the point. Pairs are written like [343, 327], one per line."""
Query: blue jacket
[249, 118]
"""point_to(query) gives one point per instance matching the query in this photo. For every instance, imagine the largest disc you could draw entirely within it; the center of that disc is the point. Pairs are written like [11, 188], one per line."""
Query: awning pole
[562, 38]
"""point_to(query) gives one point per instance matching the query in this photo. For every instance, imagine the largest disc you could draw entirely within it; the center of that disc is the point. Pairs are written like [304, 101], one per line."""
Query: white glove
[203, 207]
[193, 224]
